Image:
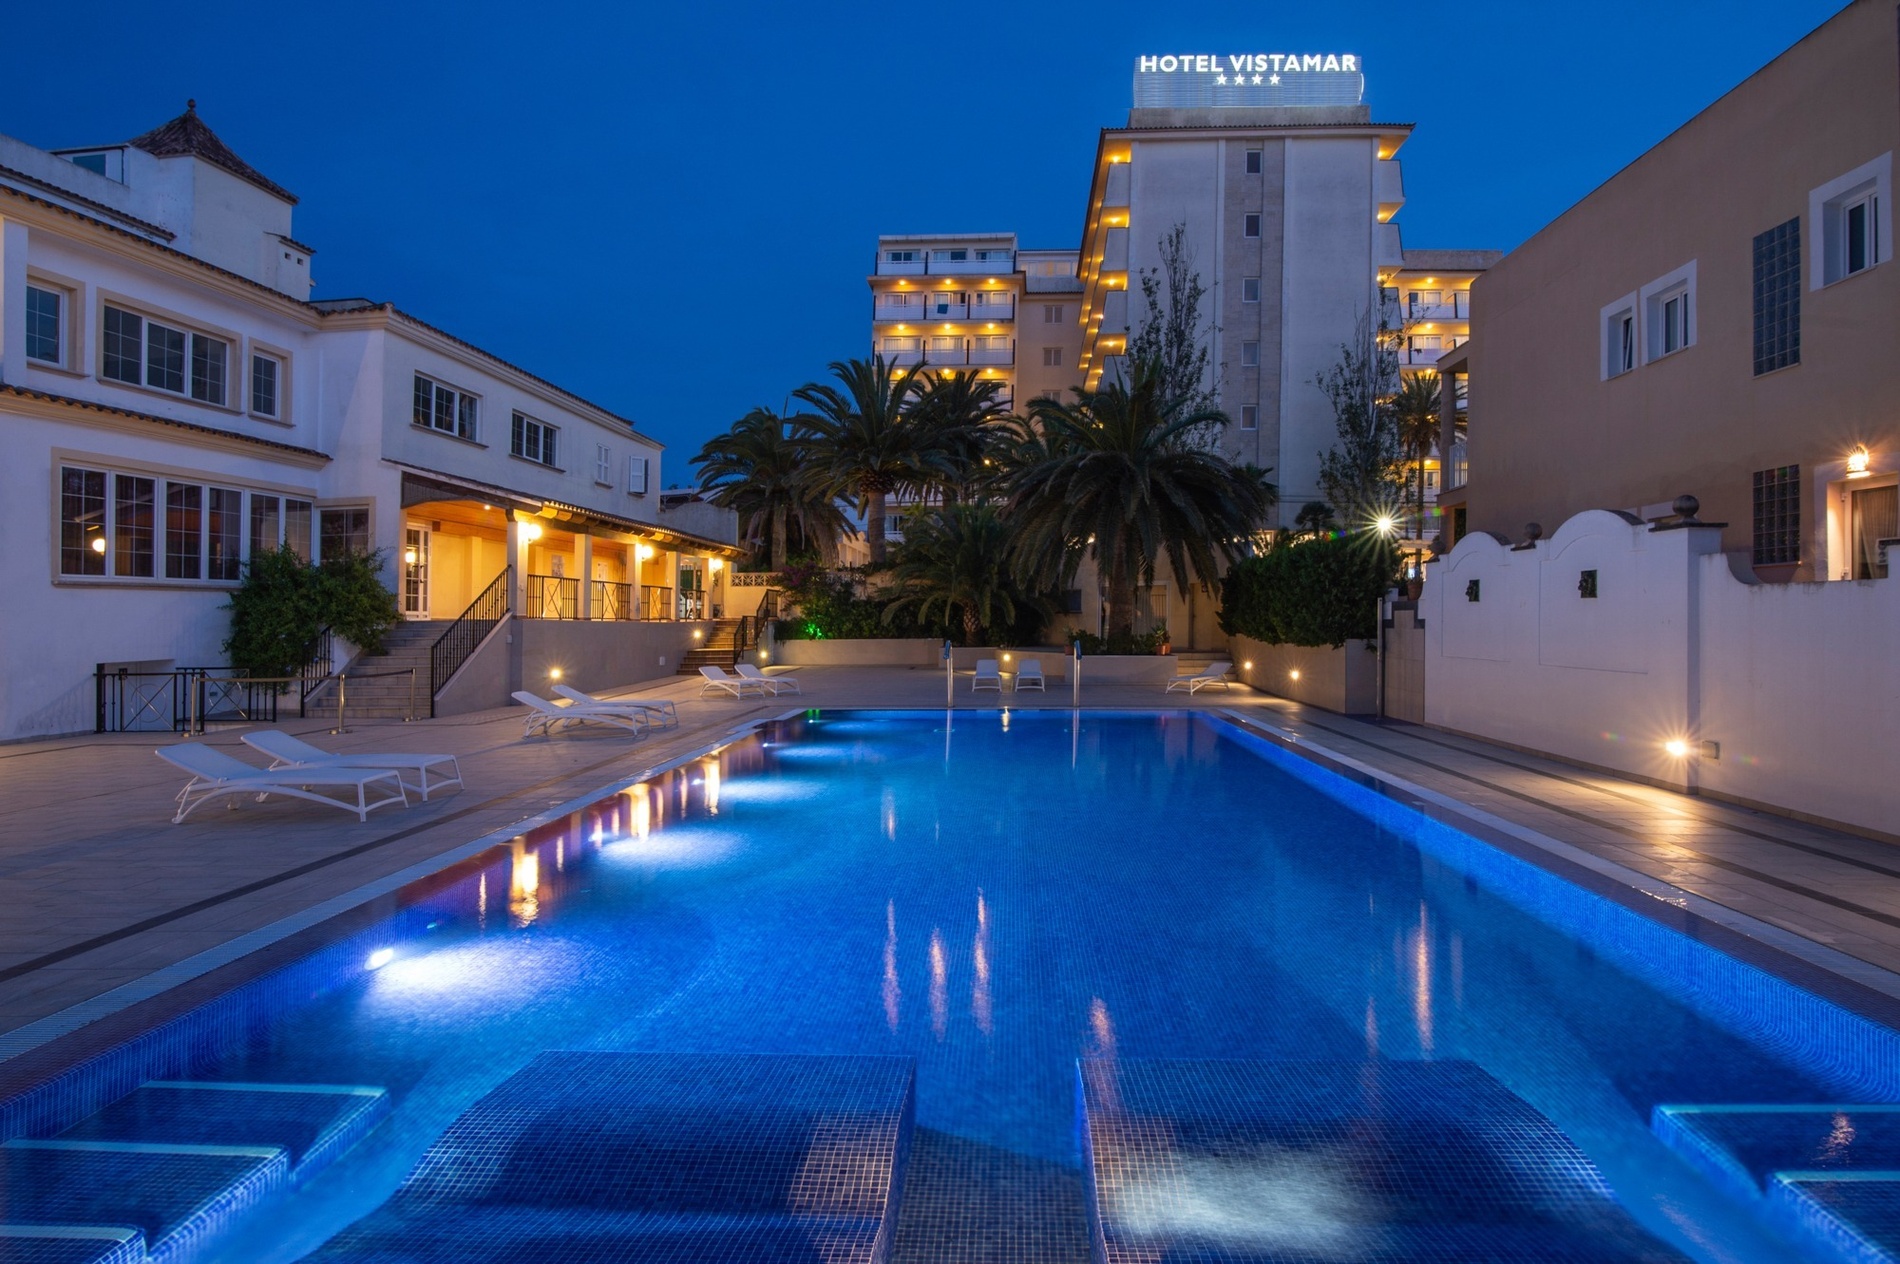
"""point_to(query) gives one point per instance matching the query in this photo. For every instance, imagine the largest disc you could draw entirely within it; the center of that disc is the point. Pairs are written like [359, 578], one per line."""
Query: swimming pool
[997, 894]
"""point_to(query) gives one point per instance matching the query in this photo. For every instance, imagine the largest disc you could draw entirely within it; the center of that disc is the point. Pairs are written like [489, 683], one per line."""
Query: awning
[421, 485]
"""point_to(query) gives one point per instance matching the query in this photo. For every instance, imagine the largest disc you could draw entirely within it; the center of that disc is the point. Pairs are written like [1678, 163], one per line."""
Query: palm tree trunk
[972, 628]
[874, 527]
[1121, 599]
[779, 527]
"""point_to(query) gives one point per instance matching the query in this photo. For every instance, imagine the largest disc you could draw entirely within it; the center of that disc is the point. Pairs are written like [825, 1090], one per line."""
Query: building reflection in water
[980, 953]
[939, 985]
[1422, 981]
[892, 994]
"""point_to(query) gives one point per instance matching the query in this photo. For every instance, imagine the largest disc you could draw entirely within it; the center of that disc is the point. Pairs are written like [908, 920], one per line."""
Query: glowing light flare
[1422, 981]
[893, 995]
[980, 1009]
[98, 544]
[712, 785]
[1294, 674]
[524, 885]
[380, 958]
[1677, 748]
[1857, 462]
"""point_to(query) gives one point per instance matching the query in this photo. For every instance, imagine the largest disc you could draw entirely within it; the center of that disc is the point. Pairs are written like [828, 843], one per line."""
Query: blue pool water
[996, 898]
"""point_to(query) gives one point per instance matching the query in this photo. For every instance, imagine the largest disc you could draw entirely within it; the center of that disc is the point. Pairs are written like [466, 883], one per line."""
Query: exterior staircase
[381, 691]
[720, 648]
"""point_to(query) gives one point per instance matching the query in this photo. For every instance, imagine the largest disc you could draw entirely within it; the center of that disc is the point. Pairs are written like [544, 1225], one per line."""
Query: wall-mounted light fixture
[1857, 462]
[409, 556]
[1677, 748]
[554, 673]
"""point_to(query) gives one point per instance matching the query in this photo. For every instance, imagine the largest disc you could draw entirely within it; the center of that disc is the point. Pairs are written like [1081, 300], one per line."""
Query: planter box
[1345, 680]
[1129, 669]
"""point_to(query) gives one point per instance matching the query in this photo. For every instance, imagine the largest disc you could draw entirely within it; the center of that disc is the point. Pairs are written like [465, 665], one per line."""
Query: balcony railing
[909, 313]
[938, 263]
[553, 597]
[1457, 307]
[946, 311]
[1006, 355]
[948, 355]
[902, 359]
[612, 600]
[993, 311]
[656, 603]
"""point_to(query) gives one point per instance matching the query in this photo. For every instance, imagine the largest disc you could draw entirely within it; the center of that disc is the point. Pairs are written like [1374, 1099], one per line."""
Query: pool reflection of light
[770, 789]
[828, 753]
[681, 847]
[380, 958]
[478, 975]
[1290, 1201]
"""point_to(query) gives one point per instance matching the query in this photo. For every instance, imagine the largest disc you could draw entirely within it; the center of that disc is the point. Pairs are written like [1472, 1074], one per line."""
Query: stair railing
[316, 672]
[469, 630]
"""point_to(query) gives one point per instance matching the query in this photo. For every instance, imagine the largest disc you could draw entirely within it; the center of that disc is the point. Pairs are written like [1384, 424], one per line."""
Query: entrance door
[692, 596]
[415, 573]
[1876, 519]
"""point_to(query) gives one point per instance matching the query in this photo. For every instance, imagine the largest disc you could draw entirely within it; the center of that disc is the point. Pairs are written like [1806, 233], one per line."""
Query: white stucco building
[172, 400]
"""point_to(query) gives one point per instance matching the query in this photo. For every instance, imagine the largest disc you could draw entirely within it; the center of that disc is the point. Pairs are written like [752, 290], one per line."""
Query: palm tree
[761, 471]
[1122, 481]
[861, 438]
[1415, 410]
[956, 557]
[962, 409]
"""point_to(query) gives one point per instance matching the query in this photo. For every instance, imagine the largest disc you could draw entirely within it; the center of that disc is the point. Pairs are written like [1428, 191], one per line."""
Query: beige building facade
[1720, 320]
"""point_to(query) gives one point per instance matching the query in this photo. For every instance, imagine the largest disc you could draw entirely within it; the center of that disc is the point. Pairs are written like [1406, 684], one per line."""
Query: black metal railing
[316, 672]
[656, 603]
[747, 636]
[612, 600]
[553, 597]
[772, 605]
[469, 630]
[182, 700]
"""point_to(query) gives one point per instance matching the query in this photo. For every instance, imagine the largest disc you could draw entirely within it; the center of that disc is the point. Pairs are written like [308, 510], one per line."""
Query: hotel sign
[1195, 80]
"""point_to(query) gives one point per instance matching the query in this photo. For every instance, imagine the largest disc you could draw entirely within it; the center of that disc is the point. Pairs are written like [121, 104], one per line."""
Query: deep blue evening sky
[670, 209]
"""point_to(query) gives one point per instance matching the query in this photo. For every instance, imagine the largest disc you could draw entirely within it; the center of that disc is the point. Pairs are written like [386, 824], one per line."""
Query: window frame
[1870, 185]
[603, 465]
[464, 413]
[1775, 314]
[325, 509]
[279, 357]
[1656, 326]
[1255, 163]
[1612, 360]
[1052, 357]
[1250, 416]
[1250, 226]
[67, 294]
[191, 332]
[546, 440]
[1250, 354]
[1250, 289]
[1779, 523]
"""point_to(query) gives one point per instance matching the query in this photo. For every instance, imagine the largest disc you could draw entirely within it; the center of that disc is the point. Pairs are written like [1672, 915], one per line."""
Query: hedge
[1310, 592]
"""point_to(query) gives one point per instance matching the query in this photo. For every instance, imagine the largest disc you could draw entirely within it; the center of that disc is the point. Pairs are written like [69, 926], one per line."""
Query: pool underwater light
[380, 958]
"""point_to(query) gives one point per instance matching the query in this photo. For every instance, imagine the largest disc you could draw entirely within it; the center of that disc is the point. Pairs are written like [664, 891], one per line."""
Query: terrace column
[12, 302]
[517, 567]
[584, 560]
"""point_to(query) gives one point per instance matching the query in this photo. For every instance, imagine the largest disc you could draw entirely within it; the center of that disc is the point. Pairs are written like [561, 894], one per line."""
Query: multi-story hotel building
[948, 302]
[1428, 310]
[1718, 319]
[173, 402]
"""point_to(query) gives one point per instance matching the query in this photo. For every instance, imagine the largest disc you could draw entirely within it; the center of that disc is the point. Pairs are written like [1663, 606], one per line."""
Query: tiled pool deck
[102, 890]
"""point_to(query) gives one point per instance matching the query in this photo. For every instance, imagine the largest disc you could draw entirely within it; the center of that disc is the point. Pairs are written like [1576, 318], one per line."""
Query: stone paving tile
[90, 850]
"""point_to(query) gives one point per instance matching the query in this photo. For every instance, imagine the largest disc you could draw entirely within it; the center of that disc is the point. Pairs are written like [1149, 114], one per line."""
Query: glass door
[1876, 520]
[415, 573]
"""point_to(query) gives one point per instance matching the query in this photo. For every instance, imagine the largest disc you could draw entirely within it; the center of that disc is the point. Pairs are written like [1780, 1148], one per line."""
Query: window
[993, 255]
[1423, 300]
[178, 361]
[1071, 601]
[1250, 416]
[1860, 234]
[998, 299]
[636, 476]
[133, 527]
[1253, 166]
[1675, 322]
[445, 408]
[954, 256]
[45, 324]
[123, 333]
[1250, 355]
[82, 521]
[898, 256]
[1250, 289]
[1852, 222]
[343, 531]
[1249, 227]
[1425, 348]
[534, 440]
[943, 345]
[297, 527]
[1052, 313]
[994, 346]
[266, 372]
[1052, 357]
[897, 345]
[942, 304]
[603, 465]
[184, 529]
[903, 299]
[1777, 516]
[1617, 354]
[1778, 297]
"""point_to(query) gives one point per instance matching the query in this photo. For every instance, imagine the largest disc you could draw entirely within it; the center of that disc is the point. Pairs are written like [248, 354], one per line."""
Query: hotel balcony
[1115, 312]
[1115, 188]
[946, 311]
[1456, 306]
[1005, 355]
[1005, 310]
[947, 357]
[1114, 250]
[901, 267]
[995, 263]
[1389, 186]
[902, 359]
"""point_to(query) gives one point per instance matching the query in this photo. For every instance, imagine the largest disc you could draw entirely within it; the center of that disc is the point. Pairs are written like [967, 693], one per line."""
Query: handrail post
[1075, 676]
[342, 684]
[412, 697]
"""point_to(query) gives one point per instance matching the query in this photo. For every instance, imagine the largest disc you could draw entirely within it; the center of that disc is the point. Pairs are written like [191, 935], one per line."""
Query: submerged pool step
[1829, 1173]
[311, 1123]
[175, 1196]
[1379, 1162]
[70, 1244]
[646, 1156]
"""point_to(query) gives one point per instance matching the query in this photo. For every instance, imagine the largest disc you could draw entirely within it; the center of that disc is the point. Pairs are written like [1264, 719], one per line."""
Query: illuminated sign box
[1201, 80]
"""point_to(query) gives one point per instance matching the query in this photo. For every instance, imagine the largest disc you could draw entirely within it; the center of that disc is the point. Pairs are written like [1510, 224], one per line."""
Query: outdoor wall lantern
[1857, 462]
[409, 556]
[1471, 590]
[1677, 747]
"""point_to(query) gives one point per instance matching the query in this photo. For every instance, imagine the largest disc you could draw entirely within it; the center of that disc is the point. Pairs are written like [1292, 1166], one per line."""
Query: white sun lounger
[215, 775]
[1212, 674]
[433, 772]
[1029, 676]
[545, 716]
[987, 676]
[659, 714]
[777, 684]
[719, 680]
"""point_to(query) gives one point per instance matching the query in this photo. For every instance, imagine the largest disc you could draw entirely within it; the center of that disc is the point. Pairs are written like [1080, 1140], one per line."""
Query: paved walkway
[101, 889]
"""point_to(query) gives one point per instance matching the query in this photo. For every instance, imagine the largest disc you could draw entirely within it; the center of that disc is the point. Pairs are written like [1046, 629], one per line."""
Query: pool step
[175, 1196]
[70, 1244]
[597, 1156]
[311, 1123]
[1829, 1175]
[1379, 1162]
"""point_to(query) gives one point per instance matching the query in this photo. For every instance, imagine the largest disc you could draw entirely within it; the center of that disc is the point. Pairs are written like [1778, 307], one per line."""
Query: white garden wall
[1797, 685]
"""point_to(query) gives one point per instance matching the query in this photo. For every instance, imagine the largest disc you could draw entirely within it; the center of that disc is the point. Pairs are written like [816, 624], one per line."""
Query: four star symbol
[1241, 80]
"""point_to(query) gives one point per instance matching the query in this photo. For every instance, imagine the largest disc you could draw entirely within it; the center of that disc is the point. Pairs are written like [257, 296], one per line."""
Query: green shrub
[829, 609]
[1313, 592]
[284, 604]
[1149, 642]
